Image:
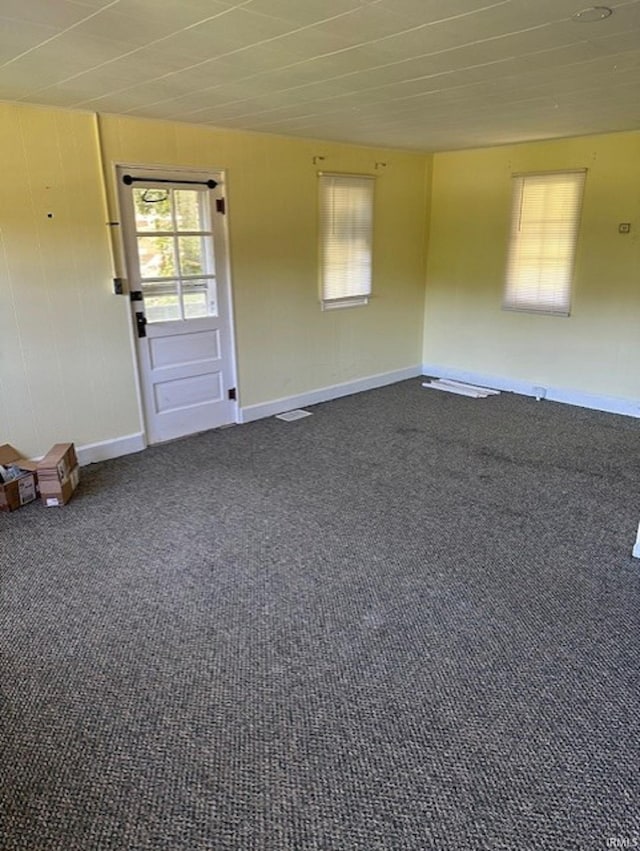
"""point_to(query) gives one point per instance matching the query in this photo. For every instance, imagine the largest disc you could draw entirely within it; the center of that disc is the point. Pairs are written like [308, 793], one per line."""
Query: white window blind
[544, 230]
[346, 235]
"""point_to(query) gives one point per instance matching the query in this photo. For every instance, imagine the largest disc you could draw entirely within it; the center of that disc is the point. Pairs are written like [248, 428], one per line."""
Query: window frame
[180, 283]
[355, 288]
[519, 295]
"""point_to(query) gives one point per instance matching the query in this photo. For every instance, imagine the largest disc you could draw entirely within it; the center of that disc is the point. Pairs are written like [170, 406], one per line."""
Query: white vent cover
[290, 416]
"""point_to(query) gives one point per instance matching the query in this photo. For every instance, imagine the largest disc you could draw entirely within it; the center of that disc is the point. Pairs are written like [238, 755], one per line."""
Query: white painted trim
[636, 548]
[609, 404]
[123, 271]
[105, 450]
[458, 389]
[325, 394]
[486, 391]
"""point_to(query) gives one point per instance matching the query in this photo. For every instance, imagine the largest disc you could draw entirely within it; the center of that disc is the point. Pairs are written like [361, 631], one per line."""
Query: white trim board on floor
[487, 391]
[448, 385]
[636, 548]
[609, 404]
[325, 394]
[458, 390]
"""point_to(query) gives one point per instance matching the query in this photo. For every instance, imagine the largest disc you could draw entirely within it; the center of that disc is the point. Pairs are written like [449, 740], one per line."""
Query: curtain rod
[128, 179]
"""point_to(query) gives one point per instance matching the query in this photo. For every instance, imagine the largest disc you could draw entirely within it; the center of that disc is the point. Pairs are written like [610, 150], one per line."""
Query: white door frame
[177, 173]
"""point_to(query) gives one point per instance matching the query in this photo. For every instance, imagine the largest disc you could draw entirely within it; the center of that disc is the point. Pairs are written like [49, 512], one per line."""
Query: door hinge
[233, 393]
[221, 206]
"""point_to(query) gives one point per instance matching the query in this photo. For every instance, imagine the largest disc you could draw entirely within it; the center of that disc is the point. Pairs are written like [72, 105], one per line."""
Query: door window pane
[199, 298]
[187, 207]
[195, 300]
[213, 296]
[191, 254]
[156, 257]
[161, 301]
[153, 209]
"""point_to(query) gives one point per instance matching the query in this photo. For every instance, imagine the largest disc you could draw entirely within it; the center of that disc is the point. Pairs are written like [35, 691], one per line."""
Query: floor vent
[290, 416]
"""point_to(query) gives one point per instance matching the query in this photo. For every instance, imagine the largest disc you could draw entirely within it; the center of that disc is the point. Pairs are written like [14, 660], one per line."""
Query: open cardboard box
[58, 474]
[18, 491]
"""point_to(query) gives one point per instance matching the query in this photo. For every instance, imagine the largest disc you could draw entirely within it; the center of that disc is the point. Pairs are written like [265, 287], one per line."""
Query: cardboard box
[18, 491]
[58, 474]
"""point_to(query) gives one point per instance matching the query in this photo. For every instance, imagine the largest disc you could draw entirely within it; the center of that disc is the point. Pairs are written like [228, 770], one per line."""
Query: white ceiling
[420, 74]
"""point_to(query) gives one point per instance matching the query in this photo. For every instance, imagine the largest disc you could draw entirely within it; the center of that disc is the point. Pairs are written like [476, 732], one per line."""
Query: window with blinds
[346, 237]
[545, 218]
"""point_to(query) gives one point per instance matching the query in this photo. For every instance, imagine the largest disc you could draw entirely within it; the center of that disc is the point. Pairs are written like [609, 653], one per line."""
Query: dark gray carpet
[409, 621]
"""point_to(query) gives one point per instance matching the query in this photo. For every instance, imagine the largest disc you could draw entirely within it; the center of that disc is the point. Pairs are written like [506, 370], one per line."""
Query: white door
[175, 245]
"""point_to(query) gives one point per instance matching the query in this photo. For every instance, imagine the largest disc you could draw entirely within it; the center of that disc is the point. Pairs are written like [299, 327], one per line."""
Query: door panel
[165, 352]
[187, 392]
[175, 246]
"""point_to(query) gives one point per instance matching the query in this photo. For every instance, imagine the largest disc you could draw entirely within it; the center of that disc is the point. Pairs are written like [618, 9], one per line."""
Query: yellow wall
[596, 350]
[285, 344]
[66, 370]
[65, 355]
[66, 364]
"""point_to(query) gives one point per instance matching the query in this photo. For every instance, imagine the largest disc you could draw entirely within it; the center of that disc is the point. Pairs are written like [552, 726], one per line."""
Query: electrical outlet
[624, 227]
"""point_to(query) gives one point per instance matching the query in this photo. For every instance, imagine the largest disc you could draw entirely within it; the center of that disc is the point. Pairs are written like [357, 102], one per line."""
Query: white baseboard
[126, 445]
[325, 394]
[610, 404]
[107, 449]
[130, 443]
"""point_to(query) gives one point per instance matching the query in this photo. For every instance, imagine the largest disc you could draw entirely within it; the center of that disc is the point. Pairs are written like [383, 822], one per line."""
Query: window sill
[337, 303]
[544, 311]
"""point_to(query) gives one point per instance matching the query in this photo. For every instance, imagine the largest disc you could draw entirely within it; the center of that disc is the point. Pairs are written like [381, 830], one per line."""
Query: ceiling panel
[24, 36]
[58, 15]
[302, 13]
[425, 74]
[91, 5]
